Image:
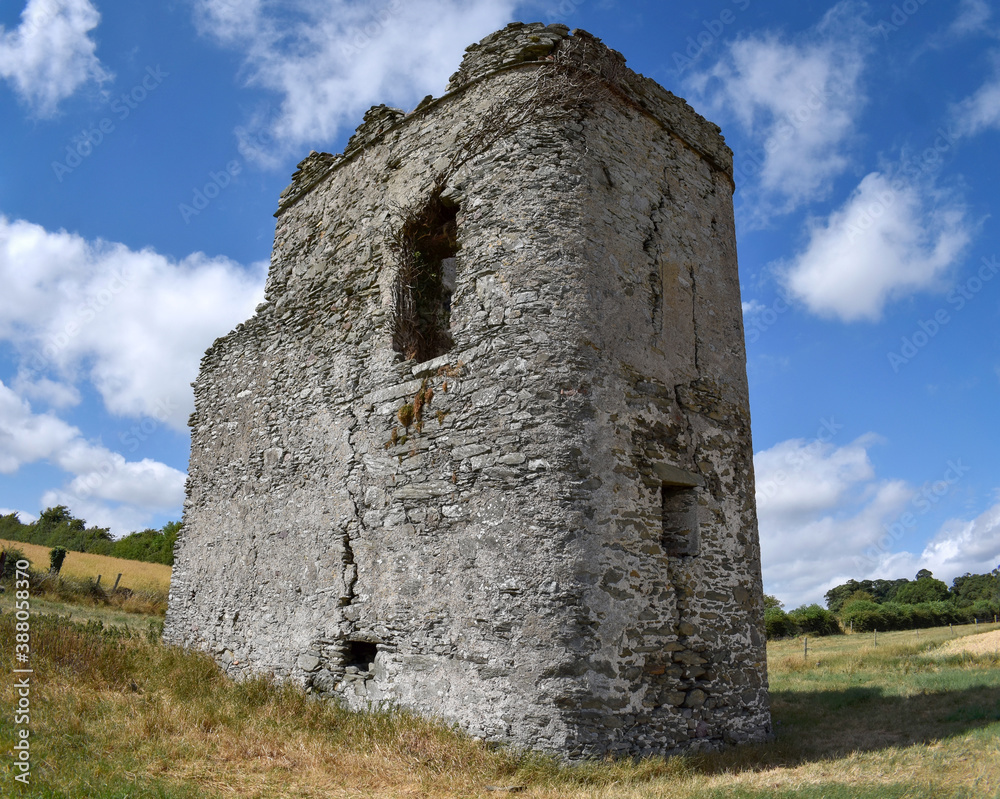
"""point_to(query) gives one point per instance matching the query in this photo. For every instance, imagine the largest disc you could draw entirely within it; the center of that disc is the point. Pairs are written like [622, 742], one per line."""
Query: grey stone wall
[562, 553]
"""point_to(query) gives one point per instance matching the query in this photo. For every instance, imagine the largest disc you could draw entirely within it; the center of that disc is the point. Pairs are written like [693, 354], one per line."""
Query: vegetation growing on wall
[421, 296]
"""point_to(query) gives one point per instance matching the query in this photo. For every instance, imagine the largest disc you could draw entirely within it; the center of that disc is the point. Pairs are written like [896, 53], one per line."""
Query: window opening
[426, 247]
[680, 519]
[361, 655]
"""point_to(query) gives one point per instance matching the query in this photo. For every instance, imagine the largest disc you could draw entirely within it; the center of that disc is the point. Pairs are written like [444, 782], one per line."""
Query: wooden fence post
[116, 583]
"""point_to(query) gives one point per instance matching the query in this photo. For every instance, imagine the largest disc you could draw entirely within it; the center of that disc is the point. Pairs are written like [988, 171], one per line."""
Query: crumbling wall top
[527, 43]
[524, 43]
[377, 120]
[517, 43]
[308, 173]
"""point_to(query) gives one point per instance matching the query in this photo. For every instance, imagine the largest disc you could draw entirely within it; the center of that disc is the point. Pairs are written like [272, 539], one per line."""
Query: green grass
[117, 714]
[74, 611]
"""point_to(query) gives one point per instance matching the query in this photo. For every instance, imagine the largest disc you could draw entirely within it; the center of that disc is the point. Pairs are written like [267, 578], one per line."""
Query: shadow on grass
[818, 725]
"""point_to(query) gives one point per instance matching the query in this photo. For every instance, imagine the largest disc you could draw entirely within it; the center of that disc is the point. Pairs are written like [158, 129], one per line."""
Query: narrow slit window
[680, 519]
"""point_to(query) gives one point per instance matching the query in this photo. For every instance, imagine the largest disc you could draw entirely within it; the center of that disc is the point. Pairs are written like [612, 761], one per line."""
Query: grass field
[135, 574]
[984, 643]
[122, 715]
[110, 616]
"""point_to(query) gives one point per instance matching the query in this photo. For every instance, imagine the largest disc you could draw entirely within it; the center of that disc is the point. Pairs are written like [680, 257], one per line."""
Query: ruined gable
[484, 451]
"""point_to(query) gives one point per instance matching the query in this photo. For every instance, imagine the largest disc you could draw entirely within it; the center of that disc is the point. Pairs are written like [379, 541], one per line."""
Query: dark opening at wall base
[360, 655]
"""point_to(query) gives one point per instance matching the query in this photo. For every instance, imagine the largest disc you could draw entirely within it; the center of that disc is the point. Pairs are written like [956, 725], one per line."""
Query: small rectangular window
[680, 520]
[361, 655]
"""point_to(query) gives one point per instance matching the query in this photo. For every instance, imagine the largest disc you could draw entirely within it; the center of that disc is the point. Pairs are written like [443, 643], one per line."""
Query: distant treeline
[866, 605]
[57, 527]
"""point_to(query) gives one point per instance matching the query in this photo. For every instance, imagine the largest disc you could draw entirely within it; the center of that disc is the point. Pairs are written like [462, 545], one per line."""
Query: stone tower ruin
[484, 451]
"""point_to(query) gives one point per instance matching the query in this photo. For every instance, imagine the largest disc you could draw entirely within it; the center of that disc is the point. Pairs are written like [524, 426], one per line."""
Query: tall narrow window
[680, 519]
[679, 510]
[425, 247]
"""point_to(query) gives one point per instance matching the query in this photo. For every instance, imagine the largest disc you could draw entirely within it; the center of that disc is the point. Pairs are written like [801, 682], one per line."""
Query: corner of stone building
[557, 555]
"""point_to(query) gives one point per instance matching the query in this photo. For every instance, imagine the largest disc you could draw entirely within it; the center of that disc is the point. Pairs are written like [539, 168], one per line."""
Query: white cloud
[890, 239]
[106, 475]
[981, 110]
[102, 482]
[53, 393]
[798, 101]
[959, 547]
[819, 507]
[329, 61]
[972, 15]
[134, 323]
[965, 546]
[800, 478]
[50, 54]
[825, 517]
[26, 437]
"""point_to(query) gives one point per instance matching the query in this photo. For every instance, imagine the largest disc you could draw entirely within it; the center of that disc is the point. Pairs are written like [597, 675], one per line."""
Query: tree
[924, 573]
[58, 527]
[837, 596]
[171, 532]
[772, 602]
[859, 596]
[11, 527]
[815, 620]
[56, 557]
[861, 616]
[926, 589]
[52, 517]
[881, 591]
[968, 588]
[152, 546]
[884, 590]
[777, 624]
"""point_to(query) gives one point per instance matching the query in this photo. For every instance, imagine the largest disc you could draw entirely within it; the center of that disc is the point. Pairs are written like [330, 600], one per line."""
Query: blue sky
[146, 144]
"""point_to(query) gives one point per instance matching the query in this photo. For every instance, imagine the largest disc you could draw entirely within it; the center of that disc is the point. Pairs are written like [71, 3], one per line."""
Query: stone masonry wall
[563, 553]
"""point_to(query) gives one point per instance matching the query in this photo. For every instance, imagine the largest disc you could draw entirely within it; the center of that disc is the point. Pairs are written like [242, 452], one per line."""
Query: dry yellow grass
[135, 574]
[131, 717]
[982, 644]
